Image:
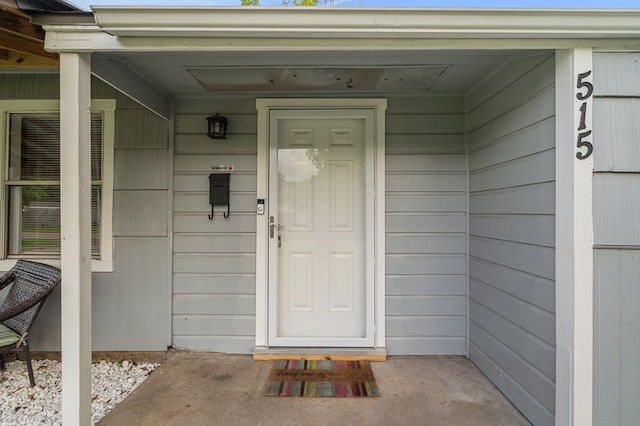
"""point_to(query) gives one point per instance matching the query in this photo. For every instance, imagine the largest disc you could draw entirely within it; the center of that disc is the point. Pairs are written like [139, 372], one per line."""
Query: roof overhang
[119, 31]
[156, 29]
[365, 23]
[22, 42]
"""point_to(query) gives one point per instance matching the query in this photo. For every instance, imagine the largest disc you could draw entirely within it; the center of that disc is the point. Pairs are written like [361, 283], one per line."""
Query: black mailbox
[219, 191]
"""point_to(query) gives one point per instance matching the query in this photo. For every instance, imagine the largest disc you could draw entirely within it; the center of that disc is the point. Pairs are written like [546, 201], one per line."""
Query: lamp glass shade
[217, 127]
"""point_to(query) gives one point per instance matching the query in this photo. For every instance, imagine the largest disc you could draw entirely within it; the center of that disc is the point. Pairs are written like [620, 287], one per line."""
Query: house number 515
[584, 92]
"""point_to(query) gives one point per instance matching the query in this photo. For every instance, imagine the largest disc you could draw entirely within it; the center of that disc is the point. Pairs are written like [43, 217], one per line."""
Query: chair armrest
[17, 310]
[6, 278]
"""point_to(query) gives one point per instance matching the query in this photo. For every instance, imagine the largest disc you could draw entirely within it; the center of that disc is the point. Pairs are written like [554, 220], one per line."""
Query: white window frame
[107, 108]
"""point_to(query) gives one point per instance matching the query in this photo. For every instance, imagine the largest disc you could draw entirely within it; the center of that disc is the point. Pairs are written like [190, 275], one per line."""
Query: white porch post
[75, 202]
[574, 238]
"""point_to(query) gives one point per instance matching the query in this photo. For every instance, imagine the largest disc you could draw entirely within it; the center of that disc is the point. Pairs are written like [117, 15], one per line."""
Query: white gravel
[20, 404]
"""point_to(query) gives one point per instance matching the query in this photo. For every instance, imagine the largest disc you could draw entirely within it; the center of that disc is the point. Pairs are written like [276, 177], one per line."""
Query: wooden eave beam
[10, 59]
[19, 24]
[20, 35]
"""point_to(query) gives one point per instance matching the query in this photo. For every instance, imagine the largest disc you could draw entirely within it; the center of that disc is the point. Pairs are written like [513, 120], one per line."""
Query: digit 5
[581, 143]
[585, 84]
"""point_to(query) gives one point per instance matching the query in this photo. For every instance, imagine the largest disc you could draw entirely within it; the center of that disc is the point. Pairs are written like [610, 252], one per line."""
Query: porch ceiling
[206, 74]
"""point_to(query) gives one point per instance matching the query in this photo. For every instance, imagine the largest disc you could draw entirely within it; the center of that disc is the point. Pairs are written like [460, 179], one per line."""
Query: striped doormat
[321, 379]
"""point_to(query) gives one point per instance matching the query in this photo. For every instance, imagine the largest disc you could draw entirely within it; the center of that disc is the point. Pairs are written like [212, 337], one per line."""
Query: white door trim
[367, 116]
[264, 106]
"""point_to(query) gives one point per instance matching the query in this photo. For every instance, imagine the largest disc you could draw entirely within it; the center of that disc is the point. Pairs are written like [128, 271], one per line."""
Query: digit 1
[583, 116]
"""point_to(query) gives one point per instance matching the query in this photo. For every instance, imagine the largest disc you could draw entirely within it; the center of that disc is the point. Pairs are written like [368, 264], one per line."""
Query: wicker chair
[31, 283]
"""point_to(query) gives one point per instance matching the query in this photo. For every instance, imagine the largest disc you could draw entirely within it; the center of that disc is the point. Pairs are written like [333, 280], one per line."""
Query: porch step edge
[261, 353]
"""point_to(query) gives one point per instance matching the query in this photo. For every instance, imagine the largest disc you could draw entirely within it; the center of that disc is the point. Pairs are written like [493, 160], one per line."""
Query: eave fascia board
[366, 23]
[71, 18]
[90, 38]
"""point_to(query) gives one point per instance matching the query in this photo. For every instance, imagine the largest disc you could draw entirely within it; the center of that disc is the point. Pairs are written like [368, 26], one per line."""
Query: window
[30, 192]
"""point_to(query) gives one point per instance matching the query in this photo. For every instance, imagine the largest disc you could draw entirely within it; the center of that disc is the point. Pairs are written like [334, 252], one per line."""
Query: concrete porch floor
[211, 388]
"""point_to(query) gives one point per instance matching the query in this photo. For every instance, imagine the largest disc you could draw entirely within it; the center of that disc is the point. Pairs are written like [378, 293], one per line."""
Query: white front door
[321, 228]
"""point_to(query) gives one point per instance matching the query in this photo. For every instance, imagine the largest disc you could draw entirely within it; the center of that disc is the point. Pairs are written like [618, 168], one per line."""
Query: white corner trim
[264, 106]
[574, 243]
[262, 239]
[108, 108]
[380, 226]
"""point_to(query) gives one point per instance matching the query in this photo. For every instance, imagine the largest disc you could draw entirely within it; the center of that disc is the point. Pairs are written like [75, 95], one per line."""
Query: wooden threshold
[319, 354]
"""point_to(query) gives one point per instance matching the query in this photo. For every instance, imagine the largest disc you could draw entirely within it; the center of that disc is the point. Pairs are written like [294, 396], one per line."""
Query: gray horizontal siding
[214, 261]
[426, 226]
[529, 199]
[140, 213]
[617, 336]
[522, 171]
[141, 129]
[141, 169]
[224, 263]
[541, 355]
[419, 305]
[426, 222]
[201, 144]
[434, 345]
[141, 172]
[537, 290]
[199, 222]
[512, 233]
[504, 78]
[616, 214]
[616, 197]
[418, 243]
[407, 202]
[226, 344]
[214, 283]
[616, 130]
[421, 182]
[129, 310]
[424, 123]
[425, 264]
[47, 86]
[219, 304]
[218, 325]
[534, 260]
[198, 202]
[30, 86]
[426, 285]
[427, 143]
[616, 74]
[530, 318]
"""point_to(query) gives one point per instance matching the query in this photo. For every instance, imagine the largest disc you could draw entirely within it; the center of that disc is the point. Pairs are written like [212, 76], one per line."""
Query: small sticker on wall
[222, 168]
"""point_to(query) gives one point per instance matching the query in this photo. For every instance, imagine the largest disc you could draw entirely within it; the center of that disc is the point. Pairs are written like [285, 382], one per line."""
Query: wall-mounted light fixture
[217, 126]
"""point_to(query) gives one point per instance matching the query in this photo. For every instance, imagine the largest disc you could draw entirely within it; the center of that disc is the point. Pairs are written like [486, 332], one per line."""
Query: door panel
[318, 291]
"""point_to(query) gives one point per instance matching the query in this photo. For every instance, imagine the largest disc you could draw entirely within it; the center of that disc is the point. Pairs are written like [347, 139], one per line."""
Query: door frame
[365, 116]
[264, 107]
